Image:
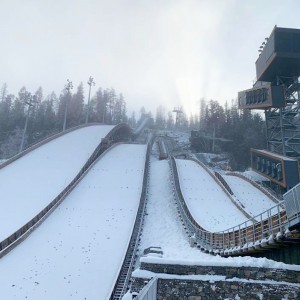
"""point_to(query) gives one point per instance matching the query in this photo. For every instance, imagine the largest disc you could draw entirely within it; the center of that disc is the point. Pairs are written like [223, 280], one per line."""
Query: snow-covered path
[78, 251]
[254, 201]
[207, 202]
[162, 227]
[31, 182]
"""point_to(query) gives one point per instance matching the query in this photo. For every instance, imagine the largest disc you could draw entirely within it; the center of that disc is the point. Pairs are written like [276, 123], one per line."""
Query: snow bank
[212, 278]
[218, 261]
[77, 252]
[255, 176]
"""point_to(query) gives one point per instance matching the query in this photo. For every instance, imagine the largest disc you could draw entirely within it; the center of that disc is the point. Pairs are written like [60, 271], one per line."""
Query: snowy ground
[162, 228]
[31, 182]
[212, 158]
[206, 200]
[181, 138]
[77, 252]
[254, 201]
[252, 175]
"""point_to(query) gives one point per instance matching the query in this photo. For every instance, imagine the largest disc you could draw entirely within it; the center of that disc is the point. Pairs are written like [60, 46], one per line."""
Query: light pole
[90, 83]
[29, 99]
[68, 88]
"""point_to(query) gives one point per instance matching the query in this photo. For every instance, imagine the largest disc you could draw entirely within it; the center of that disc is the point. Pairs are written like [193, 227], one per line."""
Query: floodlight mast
[68, 87]
[90, 83]
[29, 99]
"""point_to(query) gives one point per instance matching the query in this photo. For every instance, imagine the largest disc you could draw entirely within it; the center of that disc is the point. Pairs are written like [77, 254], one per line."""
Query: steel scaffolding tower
[283, 124]
[277, 92]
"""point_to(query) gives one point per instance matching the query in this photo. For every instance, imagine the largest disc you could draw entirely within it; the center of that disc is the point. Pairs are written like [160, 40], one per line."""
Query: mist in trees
[46, 114]
[243, 128]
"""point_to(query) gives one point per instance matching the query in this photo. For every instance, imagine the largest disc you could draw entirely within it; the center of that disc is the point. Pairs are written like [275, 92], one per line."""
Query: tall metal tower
[283, 124]
[277, 91]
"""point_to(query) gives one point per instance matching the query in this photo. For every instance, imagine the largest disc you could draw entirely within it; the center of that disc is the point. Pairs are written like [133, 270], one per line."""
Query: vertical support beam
[267, 130]
[282, 131]
[296, 79]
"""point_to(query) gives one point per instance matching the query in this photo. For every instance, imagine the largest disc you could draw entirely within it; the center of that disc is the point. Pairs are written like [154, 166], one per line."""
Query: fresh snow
[181, 138]
[78, 251]
[252, 175]
[268, 153]
[211, 278]
[219, 261]
[163, 228]
[206, 200]
[254, 200]
[2, 161]
[30, 183]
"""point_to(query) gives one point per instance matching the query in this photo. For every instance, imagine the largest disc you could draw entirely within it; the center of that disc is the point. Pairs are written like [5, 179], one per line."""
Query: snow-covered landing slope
[31, 182]
[163, 228]
[207, 202]
[77, 252]
[254, 201]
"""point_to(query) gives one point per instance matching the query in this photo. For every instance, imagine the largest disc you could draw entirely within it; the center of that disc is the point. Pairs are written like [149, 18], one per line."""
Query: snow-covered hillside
[31, 182]
[254, 201]
[207, 202]
[77, 252]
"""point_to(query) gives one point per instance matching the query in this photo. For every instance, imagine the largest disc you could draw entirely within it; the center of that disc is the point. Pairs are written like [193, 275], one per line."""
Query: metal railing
[7, 244]
[124, 276]
[258, 232]
[192, 227]
[292, 204]
[149, 292]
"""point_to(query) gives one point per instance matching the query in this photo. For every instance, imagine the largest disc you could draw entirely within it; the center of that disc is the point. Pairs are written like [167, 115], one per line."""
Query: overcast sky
[169, 52]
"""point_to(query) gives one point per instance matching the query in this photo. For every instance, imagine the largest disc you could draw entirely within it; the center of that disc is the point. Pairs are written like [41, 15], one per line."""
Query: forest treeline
[46, 113]
[245, 129]
[46, 116]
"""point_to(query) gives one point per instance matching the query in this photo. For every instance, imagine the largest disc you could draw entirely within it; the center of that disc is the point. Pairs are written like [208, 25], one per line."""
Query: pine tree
[3, 92]
[132, 120]
[75, 110]
[160, 118]
[202, 113]
[170, 121]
